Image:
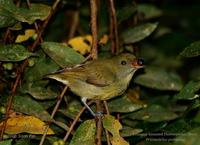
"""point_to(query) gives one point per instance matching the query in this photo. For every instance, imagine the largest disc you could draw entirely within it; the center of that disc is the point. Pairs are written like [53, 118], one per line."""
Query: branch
[99, 123]
[36, 42]
[75, 121]
[53, 114]
[113, 29]
[93, 6]
[20, 70]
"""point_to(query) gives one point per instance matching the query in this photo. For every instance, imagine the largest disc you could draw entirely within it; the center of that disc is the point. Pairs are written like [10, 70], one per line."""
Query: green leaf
[11, 14]
[73, 108]
[191, 51]
[123, 104]
[128, 131]
[6, 142]
[38, 90]
[125, 13]
[138, 33]
[36, 12]
[188, 91]
[190, 138]
[85, 134]
[42, 67]
[149, 11]
[178, 126]
[14, 52]
[62, 54]
[27, 105]
[158, 78]
[153, 113]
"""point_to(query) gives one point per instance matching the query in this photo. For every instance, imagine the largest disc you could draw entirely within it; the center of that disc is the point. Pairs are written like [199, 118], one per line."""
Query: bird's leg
[86, 105]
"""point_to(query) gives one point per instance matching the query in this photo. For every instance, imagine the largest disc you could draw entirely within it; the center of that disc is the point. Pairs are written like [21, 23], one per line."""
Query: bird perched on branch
[100, 79]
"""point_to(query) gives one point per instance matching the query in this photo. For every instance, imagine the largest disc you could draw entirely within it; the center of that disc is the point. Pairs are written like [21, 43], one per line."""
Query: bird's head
[126, 63]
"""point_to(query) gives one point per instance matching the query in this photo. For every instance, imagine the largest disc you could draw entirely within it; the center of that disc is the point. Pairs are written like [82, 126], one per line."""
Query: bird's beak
[138, 63]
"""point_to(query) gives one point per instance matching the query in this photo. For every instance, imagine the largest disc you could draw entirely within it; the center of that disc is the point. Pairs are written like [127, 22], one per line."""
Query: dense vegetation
[161, 104]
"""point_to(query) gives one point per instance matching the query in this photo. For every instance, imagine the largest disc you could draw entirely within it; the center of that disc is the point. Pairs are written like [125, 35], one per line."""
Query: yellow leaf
[28, 34]
[28, 124]
[113, 126]
[81, 44]
[104, 39]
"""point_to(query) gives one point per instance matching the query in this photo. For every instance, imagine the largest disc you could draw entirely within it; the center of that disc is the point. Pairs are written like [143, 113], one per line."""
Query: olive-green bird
[100, 79]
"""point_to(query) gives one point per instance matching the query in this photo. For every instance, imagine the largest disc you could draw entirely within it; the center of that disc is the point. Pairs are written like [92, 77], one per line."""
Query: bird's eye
[123, 62]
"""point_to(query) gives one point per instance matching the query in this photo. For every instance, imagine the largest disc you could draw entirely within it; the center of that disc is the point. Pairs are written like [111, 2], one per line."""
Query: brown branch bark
[94, 51]
[35, 24]
[113, 28]
[74, 122]
[36, 42]
[94, 54]
[74, 24]
[53, 114]
[99, 123]
[10, 98]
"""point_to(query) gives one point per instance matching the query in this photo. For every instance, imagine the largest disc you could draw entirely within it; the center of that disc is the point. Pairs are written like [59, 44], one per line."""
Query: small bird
[100, 79]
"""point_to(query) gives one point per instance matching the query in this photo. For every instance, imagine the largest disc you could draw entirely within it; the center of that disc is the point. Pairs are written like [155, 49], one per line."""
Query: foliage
[161, 104]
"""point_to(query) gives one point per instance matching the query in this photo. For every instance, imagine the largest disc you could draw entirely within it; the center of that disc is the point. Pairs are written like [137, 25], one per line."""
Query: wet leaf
[14, 52]
[158, 78]
[6, 142]
[138, 33]
[190, 138]
[153, 113]
[85, 134]
[188, 91]
[73, 108]
[28, 34]
[28, 124]
[125, 13]
[39, 90]
[128, 131]
[10, 14]
[192, 50]
[149, 11]
[123, 104]
[62, 54]
[113, 126]
[27, 105]
[42, 67]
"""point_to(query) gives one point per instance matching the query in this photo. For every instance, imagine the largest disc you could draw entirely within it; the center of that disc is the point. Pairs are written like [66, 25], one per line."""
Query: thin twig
[61, 125]
[113, 29]
[74, 24]
[107, 112]
[53, 114]
[35, 24]
[74, 122]
[7, 35]
[93, 7]
[99, 123]
[94, 54]
[106, 107]
[36, 42]
[10, 98]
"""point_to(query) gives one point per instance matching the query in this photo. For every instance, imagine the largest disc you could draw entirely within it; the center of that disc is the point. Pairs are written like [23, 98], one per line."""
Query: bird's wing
[100, 77]
[91, 74]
